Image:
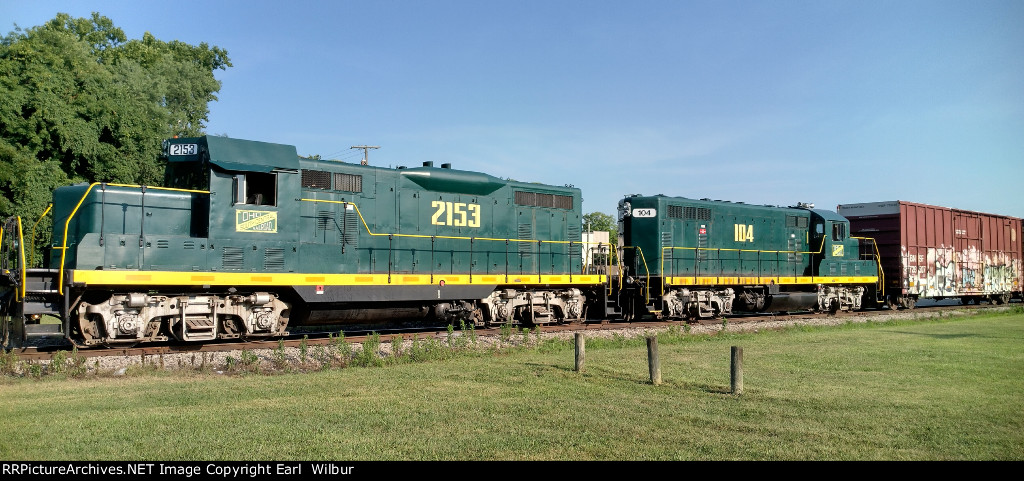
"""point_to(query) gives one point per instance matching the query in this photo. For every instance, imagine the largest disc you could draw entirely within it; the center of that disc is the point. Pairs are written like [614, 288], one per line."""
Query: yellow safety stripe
[727, 281]
[176, 278]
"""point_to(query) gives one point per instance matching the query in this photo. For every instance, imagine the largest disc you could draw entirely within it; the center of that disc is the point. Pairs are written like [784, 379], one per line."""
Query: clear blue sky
[765, 102]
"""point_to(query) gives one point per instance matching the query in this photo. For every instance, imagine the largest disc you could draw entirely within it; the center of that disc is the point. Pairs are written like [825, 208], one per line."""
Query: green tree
[598, 221]
[79, 102]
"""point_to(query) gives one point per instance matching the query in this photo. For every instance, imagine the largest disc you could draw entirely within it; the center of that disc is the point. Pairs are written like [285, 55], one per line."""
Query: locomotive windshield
[187, 175]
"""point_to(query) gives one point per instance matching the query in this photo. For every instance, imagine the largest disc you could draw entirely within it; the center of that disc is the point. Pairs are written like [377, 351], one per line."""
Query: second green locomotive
[688, 258]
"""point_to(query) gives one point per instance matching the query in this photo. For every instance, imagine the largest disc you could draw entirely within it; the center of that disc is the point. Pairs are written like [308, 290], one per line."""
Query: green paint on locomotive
[244, 206]
[680, 237]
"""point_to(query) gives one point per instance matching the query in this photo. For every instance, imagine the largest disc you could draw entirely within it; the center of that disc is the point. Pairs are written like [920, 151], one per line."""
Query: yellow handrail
[421, 236]
[647, 271]
[21, 249]
[63, 247]
[32, 249]
[878, 261]
[819, 251]
[64, 243]
[695, 249]
[368, 231]
[600, 251]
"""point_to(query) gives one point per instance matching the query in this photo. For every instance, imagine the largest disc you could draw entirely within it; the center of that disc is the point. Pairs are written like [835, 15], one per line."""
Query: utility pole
[366, 152]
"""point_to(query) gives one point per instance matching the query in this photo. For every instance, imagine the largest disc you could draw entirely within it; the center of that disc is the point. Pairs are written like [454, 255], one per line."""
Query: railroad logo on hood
[256, 221]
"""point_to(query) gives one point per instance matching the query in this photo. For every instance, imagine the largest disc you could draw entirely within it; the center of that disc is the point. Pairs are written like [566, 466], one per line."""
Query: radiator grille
[316, 179]
[537, 199]
[348, 182]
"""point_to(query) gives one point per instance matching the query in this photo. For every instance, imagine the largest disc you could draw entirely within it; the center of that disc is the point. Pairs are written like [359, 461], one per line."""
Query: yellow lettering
[457, 214]
[440, 210]
[474, 215]
[743, 233]
[460, 210]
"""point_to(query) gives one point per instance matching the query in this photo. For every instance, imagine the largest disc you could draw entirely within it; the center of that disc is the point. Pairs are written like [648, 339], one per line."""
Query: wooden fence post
[652, 359]
[737, 370]
[581, 351]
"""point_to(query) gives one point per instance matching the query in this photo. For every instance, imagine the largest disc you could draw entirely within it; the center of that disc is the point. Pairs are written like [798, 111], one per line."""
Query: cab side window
[255, 188]
[838, 231]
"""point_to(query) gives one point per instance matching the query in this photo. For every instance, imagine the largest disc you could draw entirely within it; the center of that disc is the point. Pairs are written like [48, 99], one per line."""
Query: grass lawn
[937, 389]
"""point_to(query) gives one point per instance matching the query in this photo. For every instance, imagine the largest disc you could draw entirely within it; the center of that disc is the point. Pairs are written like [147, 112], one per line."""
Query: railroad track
[311, 339]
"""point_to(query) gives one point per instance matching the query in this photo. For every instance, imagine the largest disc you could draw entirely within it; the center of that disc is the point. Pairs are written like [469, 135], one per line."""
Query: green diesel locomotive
[248, 238]
[693, 259]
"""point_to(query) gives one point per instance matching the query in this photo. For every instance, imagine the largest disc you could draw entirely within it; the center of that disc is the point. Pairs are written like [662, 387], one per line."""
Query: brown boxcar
[938, 252]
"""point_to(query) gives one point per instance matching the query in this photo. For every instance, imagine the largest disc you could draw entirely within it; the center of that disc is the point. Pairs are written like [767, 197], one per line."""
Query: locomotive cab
[842, 262]
[155, 263]
[247, 180]
[837, 253]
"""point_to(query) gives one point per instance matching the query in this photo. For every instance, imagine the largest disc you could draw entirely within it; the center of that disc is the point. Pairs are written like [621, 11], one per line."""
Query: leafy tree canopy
[80, 102]
[599, 221]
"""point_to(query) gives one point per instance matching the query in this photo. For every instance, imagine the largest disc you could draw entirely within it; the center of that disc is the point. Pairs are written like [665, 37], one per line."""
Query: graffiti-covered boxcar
[931, 252]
